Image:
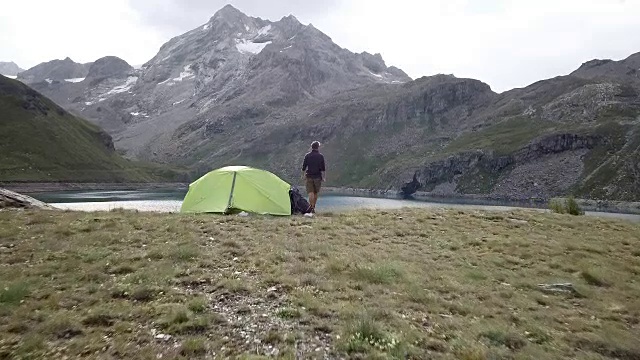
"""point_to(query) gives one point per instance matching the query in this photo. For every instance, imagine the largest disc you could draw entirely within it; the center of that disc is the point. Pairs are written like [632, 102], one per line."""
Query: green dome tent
[238, 188]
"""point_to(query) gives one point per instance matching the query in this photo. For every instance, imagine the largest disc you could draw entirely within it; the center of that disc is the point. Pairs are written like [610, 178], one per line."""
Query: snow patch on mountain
[131, 80]
[245, 46]
[11, 76]
[187, 73]
[265, 30]
[48, 80]
[76, 80]
[206, 27]
[376, 75]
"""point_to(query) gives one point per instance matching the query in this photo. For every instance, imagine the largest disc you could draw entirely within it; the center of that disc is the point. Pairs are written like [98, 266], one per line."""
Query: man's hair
[315, 145]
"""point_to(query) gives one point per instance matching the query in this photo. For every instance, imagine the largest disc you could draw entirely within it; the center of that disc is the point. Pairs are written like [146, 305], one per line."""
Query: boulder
[10, 199]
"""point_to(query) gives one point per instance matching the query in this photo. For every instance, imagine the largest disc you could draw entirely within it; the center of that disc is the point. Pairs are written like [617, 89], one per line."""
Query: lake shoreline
[605, 206]
[608, 206]
[35, 188]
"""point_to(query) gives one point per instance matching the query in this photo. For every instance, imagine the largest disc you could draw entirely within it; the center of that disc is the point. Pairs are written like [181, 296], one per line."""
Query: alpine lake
[170, 200]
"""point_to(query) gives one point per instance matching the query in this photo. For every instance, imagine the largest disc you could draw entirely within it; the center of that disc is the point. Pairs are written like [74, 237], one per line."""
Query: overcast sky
[504, 43]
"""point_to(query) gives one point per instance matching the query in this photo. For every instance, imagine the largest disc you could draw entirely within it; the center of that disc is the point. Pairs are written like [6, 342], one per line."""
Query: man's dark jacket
[313, 164]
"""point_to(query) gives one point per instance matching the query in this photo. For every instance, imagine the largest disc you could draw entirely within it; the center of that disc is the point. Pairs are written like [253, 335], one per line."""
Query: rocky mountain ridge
[244, 90]
[232, 67]
[55, 70]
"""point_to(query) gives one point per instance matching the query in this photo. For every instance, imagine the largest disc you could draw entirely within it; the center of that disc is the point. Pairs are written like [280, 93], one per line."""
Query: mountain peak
[109, 66]
[290, 18]
[228, 12]
[9, 68]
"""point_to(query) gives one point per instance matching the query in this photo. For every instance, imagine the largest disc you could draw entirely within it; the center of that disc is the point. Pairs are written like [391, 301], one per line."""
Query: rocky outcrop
[459, 167]
[106, 140]
[627, 69]
[411, 187]
[556, 143]
[13, 200]
[9, 68]
[109, 66]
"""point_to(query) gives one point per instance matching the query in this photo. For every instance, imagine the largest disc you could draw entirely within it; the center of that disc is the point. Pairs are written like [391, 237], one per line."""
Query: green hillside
[40, 141]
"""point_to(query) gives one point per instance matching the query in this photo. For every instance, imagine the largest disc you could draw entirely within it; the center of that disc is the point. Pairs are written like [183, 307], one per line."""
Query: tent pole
[233, 185]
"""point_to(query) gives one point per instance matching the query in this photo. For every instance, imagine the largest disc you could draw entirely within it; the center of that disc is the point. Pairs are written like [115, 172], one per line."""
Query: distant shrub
[573, 207]
[556, 206]
[569, 206]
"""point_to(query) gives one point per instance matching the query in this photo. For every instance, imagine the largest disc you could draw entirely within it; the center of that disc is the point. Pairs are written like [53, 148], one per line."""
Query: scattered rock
[518, 221]
[562, 288]
[164, 337]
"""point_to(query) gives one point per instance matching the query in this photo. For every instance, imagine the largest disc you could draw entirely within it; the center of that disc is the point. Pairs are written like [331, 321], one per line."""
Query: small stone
[272, 289]
[164, 337]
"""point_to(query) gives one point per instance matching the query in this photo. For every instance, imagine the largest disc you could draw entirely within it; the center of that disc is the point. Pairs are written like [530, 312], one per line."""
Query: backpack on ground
[299, 205]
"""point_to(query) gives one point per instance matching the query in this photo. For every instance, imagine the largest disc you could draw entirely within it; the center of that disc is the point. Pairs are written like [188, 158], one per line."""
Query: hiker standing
[313, 172]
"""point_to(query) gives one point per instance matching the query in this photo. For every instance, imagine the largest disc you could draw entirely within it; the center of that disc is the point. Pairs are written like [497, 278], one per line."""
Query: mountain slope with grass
[40, 141]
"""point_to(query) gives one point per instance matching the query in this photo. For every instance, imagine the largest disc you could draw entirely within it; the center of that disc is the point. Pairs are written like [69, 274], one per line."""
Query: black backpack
[299, 205]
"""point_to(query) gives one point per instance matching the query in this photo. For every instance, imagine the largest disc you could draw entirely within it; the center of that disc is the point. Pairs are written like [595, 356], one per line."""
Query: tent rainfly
[238, 188]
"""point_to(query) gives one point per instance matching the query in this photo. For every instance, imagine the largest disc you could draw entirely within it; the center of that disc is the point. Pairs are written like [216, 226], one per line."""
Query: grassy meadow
[406, 284]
